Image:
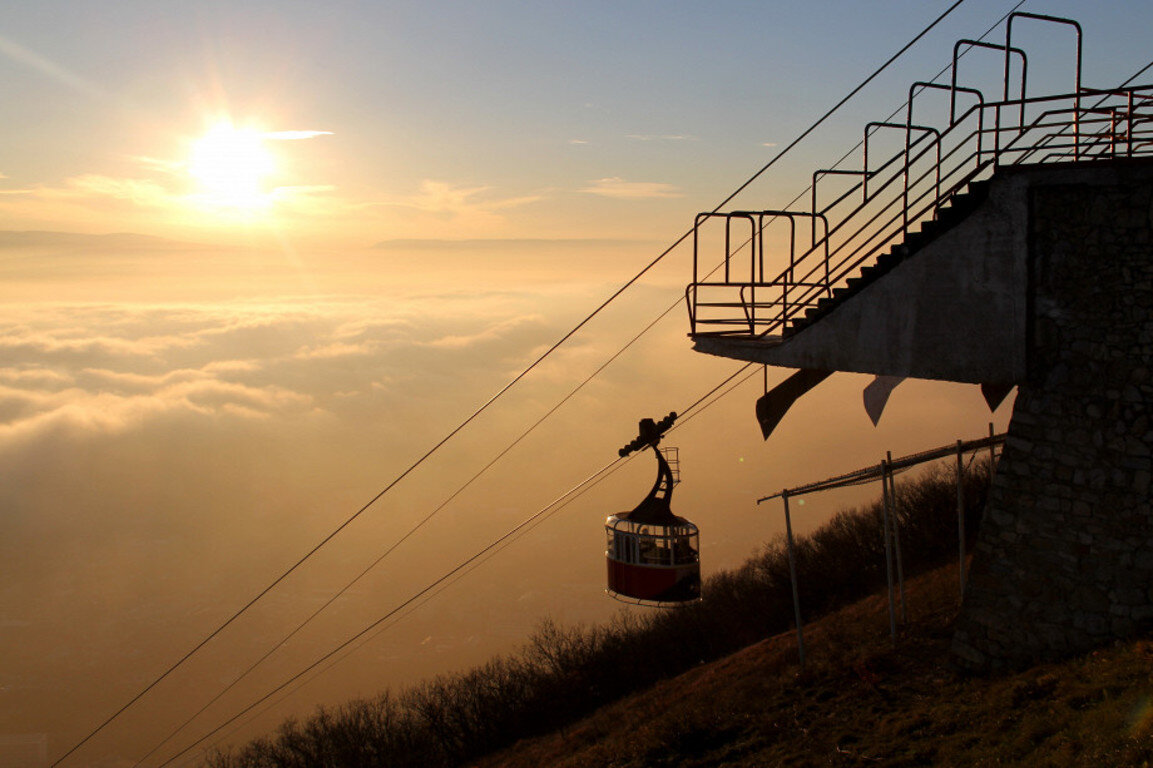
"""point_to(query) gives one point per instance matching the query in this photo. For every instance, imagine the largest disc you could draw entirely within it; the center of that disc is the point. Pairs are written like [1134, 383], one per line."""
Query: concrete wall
[954, 311]
[1064, 560]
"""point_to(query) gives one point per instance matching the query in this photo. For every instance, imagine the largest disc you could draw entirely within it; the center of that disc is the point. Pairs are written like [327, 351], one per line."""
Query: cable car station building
[1010, 247]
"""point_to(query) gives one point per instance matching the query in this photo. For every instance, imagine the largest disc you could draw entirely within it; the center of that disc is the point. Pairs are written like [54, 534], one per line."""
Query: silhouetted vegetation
[563, 673]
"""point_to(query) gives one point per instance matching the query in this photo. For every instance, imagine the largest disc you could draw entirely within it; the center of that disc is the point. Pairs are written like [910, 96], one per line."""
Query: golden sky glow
[470, 126]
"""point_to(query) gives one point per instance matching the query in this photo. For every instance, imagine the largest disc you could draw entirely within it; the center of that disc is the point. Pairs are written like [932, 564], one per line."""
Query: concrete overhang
[956, 310]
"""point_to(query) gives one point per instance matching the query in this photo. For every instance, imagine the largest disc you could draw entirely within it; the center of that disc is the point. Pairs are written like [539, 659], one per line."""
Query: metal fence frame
[885, 472]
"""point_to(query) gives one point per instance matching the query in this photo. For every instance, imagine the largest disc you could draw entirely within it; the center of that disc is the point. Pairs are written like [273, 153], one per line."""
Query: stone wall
[1064, 560]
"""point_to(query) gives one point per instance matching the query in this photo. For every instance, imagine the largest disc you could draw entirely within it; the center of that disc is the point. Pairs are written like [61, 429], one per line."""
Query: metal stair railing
[815, 276]
[808, 280]
[909, 188]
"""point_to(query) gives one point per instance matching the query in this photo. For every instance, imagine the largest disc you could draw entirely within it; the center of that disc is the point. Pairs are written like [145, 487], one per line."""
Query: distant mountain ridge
[506, 243]
[107, 241]
[46, 239]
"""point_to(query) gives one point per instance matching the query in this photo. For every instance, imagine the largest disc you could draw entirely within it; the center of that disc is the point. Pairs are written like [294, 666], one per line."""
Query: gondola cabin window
[653, 562]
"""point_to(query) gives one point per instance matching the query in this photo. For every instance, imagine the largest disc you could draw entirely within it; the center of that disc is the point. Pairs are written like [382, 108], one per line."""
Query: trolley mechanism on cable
[653, 555]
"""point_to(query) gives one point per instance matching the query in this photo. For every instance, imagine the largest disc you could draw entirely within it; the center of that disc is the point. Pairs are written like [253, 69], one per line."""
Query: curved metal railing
[907, 190]
[910, 188]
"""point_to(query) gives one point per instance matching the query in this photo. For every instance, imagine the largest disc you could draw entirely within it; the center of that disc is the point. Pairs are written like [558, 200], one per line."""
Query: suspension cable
[393, 611]
[521, 533]
[343, 590]
[411, 531]
[411, 609]
[500, 393]
[562, 501]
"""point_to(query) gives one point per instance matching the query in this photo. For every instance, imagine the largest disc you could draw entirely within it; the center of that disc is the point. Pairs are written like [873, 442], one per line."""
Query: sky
[257, 258]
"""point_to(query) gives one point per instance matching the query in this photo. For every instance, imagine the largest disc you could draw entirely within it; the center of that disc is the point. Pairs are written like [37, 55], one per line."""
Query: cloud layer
[109, 368]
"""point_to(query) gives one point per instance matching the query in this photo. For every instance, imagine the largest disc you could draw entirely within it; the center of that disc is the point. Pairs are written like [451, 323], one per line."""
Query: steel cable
[500, 393]
[522, 528]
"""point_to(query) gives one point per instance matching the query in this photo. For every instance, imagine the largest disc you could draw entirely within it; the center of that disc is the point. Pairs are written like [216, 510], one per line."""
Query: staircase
[952, 211]
[769, 287]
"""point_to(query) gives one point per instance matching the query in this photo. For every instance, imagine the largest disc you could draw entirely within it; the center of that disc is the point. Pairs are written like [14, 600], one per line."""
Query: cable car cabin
[653, 562]
[653, 555]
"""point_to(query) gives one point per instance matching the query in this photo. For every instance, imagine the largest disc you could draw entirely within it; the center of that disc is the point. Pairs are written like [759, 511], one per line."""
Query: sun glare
[230, 165]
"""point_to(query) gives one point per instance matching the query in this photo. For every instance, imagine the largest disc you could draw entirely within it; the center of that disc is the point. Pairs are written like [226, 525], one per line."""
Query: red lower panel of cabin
[673, 584]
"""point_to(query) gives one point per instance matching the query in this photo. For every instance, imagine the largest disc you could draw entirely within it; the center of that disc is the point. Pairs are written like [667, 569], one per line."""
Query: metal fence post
[961, 515]
[888, 547]
[793, 579]
[992, 453]
[897, 538]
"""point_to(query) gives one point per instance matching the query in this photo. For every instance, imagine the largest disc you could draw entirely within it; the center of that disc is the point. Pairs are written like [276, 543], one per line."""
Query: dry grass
[864, 700]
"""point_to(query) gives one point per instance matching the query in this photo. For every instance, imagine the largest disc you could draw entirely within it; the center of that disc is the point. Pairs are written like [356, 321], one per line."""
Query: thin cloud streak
[660, 137]
[46, 66]
[617, 187]
[293, 135]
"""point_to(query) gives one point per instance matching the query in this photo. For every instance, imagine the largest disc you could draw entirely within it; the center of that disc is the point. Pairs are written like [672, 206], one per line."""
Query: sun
[230, 166]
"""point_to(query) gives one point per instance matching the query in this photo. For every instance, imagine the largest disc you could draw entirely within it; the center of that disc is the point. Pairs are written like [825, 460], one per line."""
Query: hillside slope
[863, 700]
